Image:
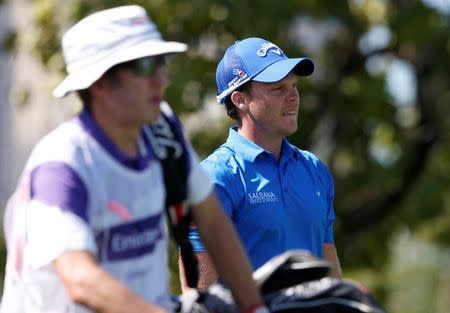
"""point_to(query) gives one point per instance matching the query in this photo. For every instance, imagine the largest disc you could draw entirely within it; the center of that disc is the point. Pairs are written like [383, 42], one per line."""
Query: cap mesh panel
[224, 74]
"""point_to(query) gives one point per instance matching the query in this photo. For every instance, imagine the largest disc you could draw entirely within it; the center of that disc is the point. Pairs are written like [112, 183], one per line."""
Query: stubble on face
[136, 101]
[274, 107]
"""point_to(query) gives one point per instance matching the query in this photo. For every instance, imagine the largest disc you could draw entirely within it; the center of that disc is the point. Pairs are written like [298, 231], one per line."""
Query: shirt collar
[250, 150]
[288, 151]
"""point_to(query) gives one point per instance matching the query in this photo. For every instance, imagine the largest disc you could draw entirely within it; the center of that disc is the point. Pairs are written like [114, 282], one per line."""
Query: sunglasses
[143, 67]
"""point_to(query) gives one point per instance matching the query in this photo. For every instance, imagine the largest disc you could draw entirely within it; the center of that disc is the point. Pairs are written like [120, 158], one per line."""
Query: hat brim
[86, 76]
[280, 69]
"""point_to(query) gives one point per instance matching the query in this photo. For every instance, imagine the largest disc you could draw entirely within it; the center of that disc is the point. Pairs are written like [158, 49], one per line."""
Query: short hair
[85, 97]
[231, 108]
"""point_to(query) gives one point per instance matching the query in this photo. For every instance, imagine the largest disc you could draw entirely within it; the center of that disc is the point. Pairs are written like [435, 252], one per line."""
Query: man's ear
[239, 100]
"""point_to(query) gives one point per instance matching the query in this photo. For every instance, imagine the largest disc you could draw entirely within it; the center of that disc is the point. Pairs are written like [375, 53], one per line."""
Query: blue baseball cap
[259, 60]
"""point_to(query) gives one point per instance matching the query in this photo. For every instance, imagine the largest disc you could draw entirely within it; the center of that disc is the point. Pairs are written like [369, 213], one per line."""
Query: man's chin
[290, 131]
[153, 119]
[153, 116]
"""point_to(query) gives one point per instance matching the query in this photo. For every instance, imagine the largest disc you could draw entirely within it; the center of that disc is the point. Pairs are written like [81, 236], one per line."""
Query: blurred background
[376, 111]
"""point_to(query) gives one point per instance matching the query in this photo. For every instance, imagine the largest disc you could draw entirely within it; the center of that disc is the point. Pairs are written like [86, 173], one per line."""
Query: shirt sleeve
[56, 214]
[199, 183]
[221, 193]
[328, 182]
[199, 187]
[56, 183]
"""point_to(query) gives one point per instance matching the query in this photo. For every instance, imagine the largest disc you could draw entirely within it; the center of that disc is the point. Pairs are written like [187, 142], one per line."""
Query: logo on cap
[268, 46]
[240, 76]
[140, 20]
[238, 72]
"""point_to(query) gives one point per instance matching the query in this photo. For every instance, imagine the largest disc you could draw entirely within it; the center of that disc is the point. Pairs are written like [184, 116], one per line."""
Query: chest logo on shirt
[262, 182]
[119, 210]
[262, 197]
[129, 240]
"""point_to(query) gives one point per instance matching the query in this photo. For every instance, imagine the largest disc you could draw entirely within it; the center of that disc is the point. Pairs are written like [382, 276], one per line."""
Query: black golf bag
[293, 282]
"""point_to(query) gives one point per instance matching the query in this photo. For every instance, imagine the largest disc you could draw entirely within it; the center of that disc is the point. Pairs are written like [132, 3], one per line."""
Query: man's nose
[160, 78]
[294, 94]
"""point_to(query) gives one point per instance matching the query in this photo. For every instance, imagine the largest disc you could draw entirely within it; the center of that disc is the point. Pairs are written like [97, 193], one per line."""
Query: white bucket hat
[106, 38]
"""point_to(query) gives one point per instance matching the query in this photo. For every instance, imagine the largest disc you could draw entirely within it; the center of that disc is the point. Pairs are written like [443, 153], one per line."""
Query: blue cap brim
[280, 69]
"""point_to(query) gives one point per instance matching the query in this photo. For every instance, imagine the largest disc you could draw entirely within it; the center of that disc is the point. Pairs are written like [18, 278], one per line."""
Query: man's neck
[124, 137]
[125, 140]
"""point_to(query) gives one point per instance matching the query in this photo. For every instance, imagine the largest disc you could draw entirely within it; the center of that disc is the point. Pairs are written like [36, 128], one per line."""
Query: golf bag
[293, 282]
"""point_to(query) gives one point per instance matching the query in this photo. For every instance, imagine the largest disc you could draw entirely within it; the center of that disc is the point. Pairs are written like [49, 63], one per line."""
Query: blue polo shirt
[275, 206]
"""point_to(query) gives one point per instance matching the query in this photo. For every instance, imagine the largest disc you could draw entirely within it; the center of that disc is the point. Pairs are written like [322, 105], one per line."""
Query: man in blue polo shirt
[278, 196]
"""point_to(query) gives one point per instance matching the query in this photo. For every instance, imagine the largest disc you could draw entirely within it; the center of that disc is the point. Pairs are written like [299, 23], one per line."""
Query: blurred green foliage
[391, 162]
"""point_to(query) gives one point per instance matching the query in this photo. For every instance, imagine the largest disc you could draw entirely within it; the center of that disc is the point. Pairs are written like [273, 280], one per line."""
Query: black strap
[175, 163]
